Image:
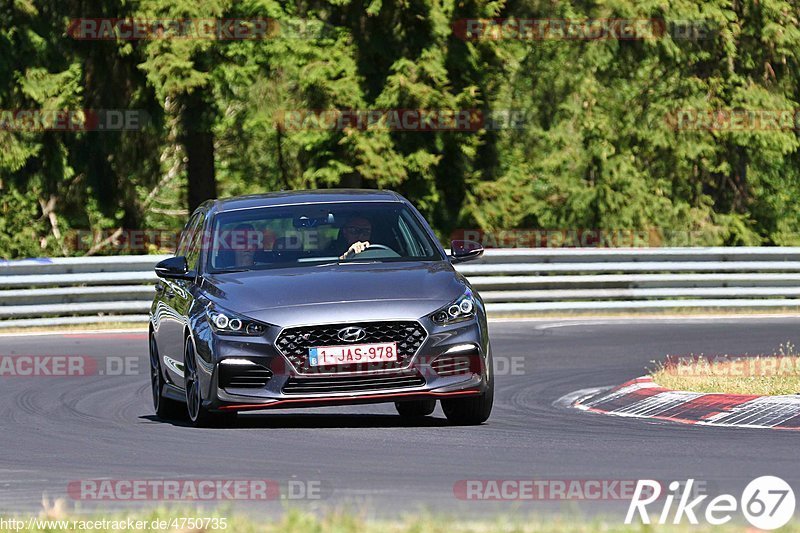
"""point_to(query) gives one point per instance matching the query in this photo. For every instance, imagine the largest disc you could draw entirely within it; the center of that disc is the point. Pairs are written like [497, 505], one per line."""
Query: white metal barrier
[511, 281]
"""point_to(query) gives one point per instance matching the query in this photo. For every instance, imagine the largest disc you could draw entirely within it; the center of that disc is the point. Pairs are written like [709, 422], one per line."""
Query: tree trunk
[198, 141]
[352, 180]
[200, 167]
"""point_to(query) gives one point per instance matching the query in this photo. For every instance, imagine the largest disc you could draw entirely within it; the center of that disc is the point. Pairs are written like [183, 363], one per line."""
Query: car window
[186, 235]
[196, 243]
[417, 245]
[309, 235]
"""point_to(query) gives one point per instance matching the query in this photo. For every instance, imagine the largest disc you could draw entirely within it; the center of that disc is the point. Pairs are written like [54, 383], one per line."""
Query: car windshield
[318, 234]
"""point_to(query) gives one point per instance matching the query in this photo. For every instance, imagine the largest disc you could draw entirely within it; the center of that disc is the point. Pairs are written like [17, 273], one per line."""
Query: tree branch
[108, 240]
[48, 210]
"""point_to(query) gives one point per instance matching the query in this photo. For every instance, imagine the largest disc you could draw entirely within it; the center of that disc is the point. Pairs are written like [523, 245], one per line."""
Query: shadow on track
[315, 421]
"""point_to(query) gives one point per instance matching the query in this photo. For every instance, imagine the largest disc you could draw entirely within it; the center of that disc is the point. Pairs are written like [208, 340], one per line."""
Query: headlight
[458, 311]
[229, 323]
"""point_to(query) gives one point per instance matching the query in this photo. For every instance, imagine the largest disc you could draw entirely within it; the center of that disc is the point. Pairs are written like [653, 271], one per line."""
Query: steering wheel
[375, 251]
[377, 247]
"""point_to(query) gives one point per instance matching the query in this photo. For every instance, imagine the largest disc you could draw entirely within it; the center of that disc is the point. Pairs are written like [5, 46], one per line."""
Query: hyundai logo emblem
[351, 334]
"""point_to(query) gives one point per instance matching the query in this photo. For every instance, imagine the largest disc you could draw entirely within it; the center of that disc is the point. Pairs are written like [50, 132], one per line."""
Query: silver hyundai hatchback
[317, 298]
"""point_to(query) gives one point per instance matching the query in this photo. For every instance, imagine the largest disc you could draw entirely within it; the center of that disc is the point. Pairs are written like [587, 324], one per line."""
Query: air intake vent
[463, 364]
[247, 376]
[453, 365]
[360, 383]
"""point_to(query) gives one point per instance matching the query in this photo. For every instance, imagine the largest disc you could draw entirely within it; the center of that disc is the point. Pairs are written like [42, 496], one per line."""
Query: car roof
[304, 197]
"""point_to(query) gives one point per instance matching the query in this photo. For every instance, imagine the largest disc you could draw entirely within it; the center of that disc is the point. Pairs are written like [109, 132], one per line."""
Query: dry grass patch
[763, 375]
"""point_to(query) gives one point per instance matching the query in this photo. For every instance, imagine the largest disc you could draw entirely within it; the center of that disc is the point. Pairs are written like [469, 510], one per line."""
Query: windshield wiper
[230, 270]
[346, 262]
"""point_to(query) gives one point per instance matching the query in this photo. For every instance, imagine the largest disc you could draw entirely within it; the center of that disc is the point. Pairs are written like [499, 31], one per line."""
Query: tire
[470, 411]
[415, 408]
[165, 408]
[198, 414]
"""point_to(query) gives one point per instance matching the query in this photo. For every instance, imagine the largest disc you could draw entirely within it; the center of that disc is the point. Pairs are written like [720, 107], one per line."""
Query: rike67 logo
[767, 503]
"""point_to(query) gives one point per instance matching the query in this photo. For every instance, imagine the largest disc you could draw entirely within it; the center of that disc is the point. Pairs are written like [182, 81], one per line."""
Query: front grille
[295, 342]
[357, 383]
[243, 376]
[452, 365]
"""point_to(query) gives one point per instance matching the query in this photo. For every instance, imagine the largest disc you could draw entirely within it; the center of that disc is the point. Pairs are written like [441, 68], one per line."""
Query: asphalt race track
[61, 429]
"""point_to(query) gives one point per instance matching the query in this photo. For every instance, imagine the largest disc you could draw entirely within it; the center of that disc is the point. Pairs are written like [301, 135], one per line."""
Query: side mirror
[461, 251]
[175, 268]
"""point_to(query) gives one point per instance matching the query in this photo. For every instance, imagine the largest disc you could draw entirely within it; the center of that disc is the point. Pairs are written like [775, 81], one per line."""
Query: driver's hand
[355, 248]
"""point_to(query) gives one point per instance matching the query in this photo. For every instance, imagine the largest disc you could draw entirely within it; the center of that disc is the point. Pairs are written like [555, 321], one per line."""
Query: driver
[356, 234]
[244, 247]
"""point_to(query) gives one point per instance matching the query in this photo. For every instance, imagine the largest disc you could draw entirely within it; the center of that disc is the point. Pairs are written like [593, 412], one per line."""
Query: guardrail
[43, 292]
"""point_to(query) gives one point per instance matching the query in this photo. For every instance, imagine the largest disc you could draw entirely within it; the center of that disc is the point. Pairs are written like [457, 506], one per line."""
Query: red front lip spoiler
[345, 400]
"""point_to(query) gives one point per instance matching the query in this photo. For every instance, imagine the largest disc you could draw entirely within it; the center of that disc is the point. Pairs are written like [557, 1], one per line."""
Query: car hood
[334, 293]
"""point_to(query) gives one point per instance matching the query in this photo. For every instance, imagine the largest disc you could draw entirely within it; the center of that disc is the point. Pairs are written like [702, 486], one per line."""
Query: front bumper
[452, 362]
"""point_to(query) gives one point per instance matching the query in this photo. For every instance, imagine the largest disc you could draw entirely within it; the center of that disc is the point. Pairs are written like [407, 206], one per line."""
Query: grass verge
[98, 326]
[670, 312]
[763, 375]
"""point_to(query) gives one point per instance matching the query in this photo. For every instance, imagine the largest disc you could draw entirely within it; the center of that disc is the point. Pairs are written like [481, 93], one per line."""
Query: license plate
[352, 354]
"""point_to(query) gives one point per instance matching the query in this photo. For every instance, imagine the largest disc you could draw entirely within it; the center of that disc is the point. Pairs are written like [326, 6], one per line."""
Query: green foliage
[607, 158]
[20, 230]
[599, 149]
